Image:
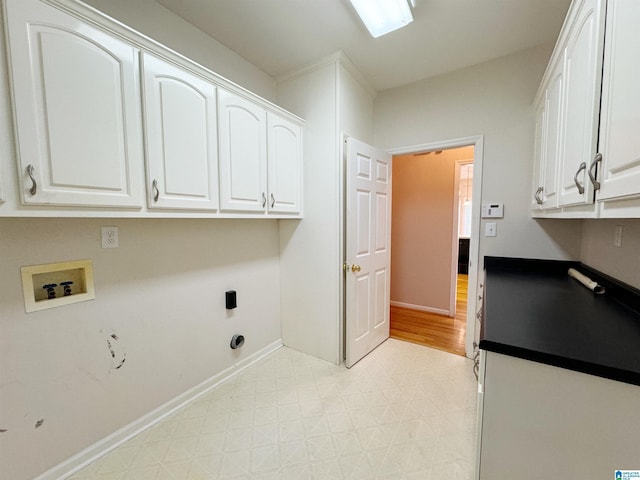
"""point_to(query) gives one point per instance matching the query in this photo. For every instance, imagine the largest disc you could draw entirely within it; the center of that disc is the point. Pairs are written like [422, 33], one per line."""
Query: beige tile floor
[403, 412]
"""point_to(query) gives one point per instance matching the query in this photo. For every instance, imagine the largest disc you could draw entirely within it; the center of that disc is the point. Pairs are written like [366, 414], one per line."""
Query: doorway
[434, 250]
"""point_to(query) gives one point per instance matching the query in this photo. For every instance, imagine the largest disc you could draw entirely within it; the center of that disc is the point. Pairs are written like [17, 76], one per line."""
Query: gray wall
[161, 293]
[599, 252]
[491, 99]
[157, 22]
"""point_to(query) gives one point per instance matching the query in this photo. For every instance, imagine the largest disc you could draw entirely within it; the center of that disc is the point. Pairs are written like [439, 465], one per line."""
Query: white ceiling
[280, 36]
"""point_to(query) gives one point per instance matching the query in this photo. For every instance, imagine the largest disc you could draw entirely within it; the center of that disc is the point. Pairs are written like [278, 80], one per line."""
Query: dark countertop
[535, 311]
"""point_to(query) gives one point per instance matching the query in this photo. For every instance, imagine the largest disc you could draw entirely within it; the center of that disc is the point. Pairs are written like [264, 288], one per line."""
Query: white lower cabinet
[77, 110]
[540, 422]
[181, 137]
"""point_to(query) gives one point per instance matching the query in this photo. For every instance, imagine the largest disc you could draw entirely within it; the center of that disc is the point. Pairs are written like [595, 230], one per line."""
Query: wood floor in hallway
[432, 330]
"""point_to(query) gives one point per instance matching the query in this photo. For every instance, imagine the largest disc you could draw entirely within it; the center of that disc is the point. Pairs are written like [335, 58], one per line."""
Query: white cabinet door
[539, 151]
[284, 165]
[619, 172]
[533, 422]
[242, 138]
[582, 79]
[181, 137]
[551, 132]
[77, 107]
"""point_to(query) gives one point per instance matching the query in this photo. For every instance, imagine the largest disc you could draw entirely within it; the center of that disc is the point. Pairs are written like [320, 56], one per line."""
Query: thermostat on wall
[492, 210]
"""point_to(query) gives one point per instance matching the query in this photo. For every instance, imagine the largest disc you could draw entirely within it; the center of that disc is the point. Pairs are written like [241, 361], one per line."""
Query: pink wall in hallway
[422, 227]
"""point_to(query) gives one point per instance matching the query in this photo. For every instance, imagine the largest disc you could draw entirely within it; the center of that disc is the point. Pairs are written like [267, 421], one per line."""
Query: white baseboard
[104, 446]
[421, 308]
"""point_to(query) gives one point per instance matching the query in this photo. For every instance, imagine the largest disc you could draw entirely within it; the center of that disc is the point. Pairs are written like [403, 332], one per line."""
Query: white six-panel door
[77, 104]
[368, 253]
[182, 150]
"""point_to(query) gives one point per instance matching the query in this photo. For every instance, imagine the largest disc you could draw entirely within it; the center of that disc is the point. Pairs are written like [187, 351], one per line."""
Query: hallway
[432, 330]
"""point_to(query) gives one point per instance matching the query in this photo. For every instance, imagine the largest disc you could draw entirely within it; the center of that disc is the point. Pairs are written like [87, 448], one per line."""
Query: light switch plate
[490, 229]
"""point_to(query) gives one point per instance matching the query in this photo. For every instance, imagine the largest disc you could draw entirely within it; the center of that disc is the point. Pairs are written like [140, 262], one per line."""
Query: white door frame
[477, 142]
[455, 235]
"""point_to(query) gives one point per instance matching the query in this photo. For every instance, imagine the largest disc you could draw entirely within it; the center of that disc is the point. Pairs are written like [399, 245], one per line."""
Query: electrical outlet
[110, 237]
[617, 236]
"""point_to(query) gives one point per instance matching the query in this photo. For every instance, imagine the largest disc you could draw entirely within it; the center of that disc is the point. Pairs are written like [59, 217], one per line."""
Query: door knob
[355, 268]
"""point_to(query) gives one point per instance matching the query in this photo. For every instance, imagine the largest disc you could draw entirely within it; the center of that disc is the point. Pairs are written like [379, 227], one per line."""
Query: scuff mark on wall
[113, 352]
[3, 430]
[118, 356]
[39, 423]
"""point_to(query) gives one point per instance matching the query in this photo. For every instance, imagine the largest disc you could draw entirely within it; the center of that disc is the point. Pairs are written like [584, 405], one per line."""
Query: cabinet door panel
[180, 119]
[620, 114]
[243, 154]
[539, 151]
[284, 165]
[77, 109]
[583, 65]
[552, 132]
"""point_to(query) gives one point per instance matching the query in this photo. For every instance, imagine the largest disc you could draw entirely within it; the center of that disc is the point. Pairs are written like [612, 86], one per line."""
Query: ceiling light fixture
[383, 16]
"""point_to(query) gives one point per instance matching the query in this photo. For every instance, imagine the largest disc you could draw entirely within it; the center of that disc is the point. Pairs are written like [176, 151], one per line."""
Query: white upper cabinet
[284, 165]
[77, 109]
[1, 186]
[591, 115]
[242, 134]
[539, 149]
[95, 103]
[552, 130]
[582, 78]
[548, 111]
[181, 137]
[619, 172]
[260, 158]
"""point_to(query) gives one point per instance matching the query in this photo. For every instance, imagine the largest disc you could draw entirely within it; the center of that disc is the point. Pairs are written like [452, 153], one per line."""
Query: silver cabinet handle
[156, 191]
[537, 195]
[273, 200]
[592, 176]
[264, 200]
[34, 185]
[583, 166]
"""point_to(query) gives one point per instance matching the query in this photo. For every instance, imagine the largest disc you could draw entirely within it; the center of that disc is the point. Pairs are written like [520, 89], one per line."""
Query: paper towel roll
[586, 281]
